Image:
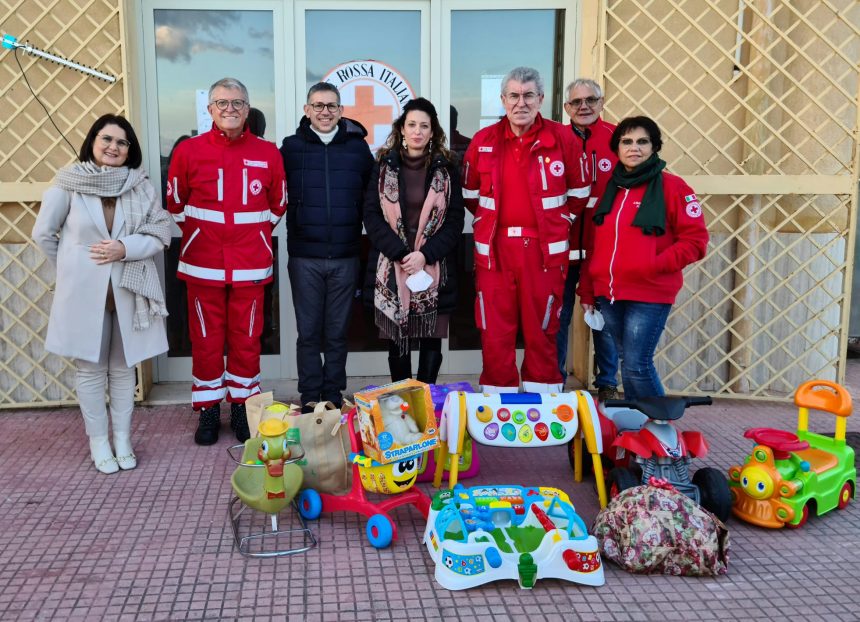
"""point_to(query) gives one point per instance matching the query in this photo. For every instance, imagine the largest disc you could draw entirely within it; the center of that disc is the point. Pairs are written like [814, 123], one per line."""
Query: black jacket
[441, 245]
[325, 185]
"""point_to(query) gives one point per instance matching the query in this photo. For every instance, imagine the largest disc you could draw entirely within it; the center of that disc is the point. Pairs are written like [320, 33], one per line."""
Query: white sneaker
[124, 455]
[102, 455]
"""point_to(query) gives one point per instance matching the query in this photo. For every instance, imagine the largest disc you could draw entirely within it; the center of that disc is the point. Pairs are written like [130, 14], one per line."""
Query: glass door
[187, 50]
[376, 53]
[482, 41]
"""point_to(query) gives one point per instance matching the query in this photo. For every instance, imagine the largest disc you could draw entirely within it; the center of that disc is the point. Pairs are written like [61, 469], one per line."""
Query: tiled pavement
[154, 543]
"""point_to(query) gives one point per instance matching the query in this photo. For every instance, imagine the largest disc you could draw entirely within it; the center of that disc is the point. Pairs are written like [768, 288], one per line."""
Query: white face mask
[594, 319]
[419, 281]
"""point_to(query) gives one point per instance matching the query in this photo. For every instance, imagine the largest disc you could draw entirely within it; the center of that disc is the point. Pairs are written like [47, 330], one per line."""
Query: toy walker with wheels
[486, 533]
[789, 476]
[395, 480]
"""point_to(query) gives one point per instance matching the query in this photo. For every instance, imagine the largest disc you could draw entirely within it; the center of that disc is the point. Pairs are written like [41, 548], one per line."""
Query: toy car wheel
[845, 495]
[620, 480]
[380, 531]
[804, 516]
[310, 504]
[714, 492]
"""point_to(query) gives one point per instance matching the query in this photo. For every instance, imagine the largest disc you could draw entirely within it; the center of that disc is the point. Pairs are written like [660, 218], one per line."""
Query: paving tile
[154, 543]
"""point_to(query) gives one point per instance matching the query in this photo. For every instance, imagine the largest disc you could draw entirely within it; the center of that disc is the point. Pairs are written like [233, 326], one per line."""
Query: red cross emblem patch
[694, 210]
[557, 168]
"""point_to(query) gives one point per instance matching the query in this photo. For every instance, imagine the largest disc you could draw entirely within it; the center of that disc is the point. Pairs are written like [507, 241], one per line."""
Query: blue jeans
[605, 356]
[605, 359]
[636, 328]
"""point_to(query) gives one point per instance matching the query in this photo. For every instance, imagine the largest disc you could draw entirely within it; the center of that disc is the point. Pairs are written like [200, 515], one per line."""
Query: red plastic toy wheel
[804, 516]
[845, 495]
[778, 440]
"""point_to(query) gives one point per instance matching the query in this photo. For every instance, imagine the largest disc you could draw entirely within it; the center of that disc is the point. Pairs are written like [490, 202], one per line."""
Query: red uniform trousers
[520, 291]
[219, 316]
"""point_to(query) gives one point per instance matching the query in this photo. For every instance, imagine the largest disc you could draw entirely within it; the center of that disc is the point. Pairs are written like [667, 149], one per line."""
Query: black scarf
[652, 211]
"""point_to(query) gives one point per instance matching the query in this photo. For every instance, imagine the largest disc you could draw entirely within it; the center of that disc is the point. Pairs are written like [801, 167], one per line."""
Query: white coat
[67, 224]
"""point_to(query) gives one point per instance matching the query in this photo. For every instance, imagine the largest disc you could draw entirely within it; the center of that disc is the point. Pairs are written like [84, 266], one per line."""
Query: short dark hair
[323, 86]
[256, 122]
[135, 155]
[625, 126]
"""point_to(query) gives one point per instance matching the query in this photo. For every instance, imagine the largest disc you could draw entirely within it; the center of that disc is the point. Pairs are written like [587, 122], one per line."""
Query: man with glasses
[583, 104]
[523, 183]
[227, 192]
[328, 165]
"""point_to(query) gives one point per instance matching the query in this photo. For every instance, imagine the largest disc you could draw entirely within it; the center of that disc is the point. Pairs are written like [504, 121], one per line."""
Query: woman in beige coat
[101, 223]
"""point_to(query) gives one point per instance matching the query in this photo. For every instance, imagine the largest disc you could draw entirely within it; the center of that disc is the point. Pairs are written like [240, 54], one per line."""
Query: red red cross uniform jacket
[626, 264]
[597, 161]
[520, 273]
[226, 196]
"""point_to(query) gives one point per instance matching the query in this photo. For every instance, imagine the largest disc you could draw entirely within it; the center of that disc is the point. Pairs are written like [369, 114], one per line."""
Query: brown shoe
[607, 393]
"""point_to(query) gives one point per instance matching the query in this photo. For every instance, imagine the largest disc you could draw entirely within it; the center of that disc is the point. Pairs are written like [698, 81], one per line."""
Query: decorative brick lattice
[769, 94]
[31, 150]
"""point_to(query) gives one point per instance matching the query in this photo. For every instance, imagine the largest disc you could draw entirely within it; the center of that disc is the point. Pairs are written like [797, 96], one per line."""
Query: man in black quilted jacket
[328, 163]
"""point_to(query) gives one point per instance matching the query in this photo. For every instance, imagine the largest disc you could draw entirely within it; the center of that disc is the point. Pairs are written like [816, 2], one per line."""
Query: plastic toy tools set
[486, 533]
[789, 476]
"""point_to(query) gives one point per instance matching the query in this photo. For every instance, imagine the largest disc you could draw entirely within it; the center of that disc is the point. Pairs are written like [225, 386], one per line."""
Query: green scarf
[652, 211]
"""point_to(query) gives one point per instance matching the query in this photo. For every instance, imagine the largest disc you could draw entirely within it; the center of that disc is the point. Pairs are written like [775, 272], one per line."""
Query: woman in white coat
[101, 222]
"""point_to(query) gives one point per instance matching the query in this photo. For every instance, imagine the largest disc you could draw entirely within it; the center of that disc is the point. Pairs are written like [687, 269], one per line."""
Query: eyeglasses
[318, 107]
[222, 104]
[591, 102]
[122, 143]
[527, 98]
[639, 142]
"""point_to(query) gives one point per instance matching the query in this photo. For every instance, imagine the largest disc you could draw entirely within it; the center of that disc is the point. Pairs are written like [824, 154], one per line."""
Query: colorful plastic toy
[520, 420]
[381, 529]
[468, 462]
[486, 533]
[267, 479]
[790, 476]
[647, 445]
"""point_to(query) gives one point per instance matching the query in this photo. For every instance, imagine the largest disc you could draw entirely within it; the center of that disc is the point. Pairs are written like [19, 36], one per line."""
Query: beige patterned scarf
[143, 215]
[400, 313]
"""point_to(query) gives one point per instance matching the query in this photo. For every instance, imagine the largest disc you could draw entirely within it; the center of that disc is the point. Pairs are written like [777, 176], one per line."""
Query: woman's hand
[413, 262]
[586, 307]
[107, 251]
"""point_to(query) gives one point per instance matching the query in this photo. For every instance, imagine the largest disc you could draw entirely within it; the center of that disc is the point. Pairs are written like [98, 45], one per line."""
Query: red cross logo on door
[369, 114]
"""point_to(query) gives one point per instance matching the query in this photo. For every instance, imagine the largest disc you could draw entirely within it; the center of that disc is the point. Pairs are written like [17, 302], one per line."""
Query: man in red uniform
[226, 191]
[583, 104]
[524, 185]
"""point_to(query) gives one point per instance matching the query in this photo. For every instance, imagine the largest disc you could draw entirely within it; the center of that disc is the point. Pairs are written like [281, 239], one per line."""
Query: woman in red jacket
[649, 227]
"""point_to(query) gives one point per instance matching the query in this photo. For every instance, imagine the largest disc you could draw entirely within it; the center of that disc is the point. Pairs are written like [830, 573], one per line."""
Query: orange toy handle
[837, 401]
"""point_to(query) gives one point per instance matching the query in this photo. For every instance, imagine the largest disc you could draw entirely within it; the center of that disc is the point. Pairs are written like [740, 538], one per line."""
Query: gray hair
[588, 82]
[230, 83]
[322, 87]
[523, 75]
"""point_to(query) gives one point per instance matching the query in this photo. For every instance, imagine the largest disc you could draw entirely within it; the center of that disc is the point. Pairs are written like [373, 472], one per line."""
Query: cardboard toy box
[397, 420]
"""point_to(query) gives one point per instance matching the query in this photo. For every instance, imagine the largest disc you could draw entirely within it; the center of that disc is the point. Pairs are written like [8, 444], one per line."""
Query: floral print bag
[653, 530]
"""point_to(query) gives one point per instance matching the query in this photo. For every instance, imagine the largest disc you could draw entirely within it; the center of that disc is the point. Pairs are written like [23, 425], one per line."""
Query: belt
[521, 232]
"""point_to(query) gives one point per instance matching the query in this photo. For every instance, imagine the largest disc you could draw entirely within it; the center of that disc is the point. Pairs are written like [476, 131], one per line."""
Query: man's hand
[413, 262]
[586, 307]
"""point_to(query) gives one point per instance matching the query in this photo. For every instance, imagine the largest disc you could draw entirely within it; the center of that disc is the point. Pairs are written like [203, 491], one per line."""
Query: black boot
[429, 362]
[207, 429]
[239, 422]
[400, 367]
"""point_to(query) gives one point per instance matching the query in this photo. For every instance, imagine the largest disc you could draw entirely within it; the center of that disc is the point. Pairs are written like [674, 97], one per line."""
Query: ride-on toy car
[640, 442]
[789, 476]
